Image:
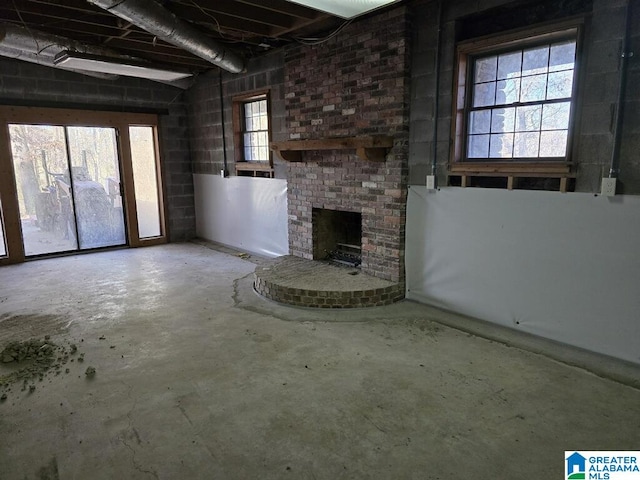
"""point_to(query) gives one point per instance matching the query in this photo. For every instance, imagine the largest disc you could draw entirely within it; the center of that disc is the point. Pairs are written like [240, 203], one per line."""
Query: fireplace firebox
[337, 236]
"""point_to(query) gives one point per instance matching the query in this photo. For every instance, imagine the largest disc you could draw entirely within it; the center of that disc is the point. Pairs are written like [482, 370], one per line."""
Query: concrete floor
[207, 380]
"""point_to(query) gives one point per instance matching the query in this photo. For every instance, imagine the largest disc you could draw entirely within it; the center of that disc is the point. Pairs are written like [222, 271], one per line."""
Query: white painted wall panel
[243, 212]
[562, 266]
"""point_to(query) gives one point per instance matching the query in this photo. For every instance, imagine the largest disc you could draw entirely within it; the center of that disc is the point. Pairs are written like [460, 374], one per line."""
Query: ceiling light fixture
[117, 66]
[345, 9]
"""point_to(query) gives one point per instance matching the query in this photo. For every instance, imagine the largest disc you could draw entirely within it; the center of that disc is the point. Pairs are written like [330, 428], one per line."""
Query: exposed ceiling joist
[245, 27]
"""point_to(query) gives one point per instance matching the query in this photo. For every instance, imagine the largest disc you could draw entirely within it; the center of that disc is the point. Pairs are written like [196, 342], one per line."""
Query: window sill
[512, 171]
[254, 169]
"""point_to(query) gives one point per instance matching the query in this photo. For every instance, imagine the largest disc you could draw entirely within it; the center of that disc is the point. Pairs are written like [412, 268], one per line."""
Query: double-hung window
[515, 99]
[251, 125]
[256, 131]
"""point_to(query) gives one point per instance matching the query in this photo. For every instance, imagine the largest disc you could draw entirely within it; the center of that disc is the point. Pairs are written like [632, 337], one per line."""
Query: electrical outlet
[608, 187]
[431, 182]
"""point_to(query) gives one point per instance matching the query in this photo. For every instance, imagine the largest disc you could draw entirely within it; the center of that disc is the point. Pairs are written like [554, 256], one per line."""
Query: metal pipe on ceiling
[155, 19]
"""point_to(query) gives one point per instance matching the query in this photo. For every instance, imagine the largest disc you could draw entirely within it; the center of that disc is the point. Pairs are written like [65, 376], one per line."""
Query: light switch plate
[431, 182]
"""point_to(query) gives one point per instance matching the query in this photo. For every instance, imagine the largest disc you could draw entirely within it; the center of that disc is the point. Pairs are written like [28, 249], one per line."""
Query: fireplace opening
[337, 236]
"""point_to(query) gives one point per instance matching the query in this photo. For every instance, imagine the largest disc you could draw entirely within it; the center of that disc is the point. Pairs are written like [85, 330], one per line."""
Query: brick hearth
[306, 283]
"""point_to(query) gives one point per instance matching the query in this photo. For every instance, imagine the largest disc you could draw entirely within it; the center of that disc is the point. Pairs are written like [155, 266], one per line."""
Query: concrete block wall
[597, 88]
[205, 114]
[35, 85]
[354, 84]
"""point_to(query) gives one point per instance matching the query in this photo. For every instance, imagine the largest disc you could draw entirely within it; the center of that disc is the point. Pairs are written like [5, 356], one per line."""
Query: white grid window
[256, 131]
[521, 103]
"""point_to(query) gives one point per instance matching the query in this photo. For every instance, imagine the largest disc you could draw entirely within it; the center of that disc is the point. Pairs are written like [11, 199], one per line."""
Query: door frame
[121, 121]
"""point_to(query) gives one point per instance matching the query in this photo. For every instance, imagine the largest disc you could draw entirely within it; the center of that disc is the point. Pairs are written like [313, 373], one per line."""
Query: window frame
[470, 50]
[244, 167]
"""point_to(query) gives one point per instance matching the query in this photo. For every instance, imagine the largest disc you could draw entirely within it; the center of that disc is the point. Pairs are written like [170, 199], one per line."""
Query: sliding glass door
[78, 180]
[68, 185]
[93, 156]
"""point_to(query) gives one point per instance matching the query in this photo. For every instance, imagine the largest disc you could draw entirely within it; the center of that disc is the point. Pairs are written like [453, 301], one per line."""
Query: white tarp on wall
[562, 266]
[243, 212]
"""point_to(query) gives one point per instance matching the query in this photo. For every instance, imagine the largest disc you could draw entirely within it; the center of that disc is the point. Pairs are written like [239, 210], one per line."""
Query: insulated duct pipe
[41, 48]
[155, 19]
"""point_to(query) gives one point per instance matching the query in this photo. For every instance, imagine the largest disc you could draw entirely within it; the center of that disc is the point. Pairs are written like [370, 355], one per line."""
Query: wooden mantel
[373, 149]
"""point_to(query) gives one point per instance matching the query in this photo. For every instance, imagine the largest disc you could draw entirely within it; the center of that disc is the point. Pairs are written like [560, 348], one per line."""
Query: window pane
[264, 122]
[509, 65]
[503, 120]
[555, 116]
[533, 88]
[484, 94]
[562, 56]
[560, 85]
[247, 153]
[553, 144]
[485, 69]
[480, 121]
[96, 186]
[263, 139]
[501, 146]
[528, 118]
[508, 91]
[45, 197]
[541, 77]
[535, 60]
[478, 146]
[526, 144]
[248, 124]
[145, 181]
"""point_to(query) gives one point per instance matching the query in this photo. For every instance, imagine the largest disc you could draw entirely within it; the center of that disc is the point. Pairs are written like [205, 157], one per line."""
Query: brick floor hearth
[308, 283]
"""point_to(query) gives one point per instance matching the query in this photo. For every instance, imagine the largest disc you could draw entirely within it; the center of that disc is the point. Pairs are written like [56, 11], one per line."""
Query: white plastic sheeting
[243, 212]
[562, 266]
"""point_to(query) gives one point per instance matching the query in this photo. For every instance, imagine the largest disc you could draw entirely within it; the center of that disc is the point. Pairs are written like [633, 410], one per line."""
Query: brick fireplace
[354, 85]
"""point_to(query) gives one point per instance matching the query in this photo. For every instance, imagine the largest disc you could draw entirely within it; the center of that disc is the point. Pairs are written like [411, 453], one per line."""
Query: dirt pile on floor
[31, 360]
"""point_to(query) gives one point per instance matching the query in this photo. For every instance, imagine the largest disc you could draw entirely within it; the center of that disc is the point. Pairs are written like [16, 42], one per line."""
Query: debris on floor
[90, 372]
[243, 256]
[33, 359]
